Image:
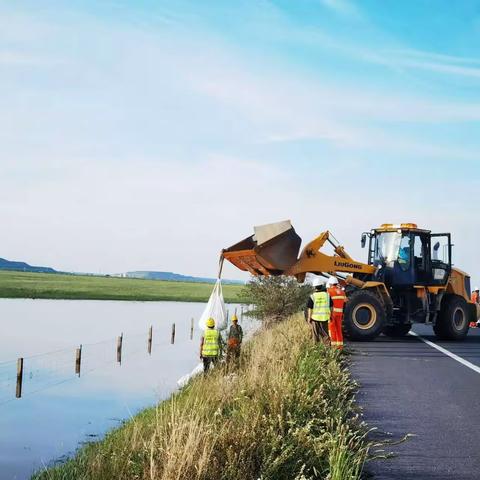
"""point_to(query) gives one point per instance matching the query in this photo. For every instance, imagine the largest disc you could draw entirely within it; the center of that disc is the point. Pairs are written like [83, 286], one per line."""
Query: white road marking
[448, 353]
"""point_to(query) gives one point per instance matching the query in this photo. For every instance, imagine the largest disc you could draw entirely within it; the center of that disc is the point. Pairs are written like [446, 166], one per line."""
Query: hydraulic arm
[314, 261]
[273, 250]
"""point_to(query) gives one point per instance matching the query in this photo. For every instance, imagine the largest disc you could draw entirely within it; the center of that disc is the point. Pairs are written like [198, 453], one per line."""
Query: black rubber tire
[397, 330]
[453, 319]
[364, 317]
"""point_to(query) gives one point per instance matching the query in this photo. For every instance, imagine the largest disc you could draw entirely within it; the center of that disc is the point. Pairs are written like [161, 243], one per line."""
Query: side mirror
[363, 241]
[436, 247]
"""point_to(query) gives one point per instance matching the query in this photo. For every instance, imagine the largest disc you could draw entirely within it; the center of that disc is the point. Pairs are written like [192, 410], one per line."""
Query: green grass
[287, 414]
[76, 287]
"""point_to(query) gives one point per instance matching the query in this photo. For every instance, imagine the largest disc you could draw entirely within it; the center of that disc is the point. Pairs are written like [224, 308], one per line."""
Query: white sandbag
[215, 308]
[186, 378]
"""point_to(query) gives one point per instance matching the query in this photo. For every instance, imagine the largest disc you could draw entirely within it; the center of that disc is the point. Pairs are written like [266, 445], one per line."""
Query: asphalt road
[409, 387]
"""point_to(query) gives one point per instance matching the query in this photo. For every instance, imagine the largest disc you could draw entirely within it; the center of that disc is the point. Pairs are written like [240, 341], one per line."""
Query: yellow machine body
[274, 250]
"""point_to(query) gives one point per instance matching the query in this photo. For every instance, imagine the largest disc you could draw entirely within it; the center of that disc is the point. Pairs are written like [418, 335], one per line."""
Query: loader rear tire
[365, 316]
[397, 330]
[453, 320]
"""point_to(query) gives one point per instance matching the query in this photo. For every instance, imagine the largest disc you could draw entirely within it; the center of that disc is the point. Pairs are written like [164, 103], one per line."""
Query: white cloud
[427, 61]
[143, 154]
[435, 57]
[286, 107]
[17, 58]
[392, 54]
[143, 214]
[445, 68]
[177, 90]
[342, 7]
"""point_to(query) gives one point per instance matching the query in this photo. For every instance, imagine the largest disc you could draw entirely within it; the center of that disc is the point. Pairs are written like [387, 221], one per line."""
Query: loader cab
[407, 255]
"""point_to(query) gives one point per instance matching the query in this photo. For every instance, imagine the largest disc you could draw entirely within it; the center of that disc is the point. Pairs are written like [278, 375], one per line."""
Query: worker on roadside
[319, 309]
[476, 296]
[210, 345]
[404, 258]
[234, 340]
[339, 298]
[476, 300]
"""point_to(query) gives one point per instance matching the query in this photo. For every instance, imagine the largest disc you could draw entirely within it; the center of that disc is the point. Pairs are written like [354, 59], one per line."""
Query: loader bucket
[272, 250]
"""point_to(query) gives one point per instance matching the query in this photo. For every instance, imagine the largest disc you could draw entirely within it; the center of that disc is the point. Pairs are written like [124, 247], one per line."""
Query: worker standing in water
[319, 309]
[476, 300]
[338, 299]
[234, 340]
[210, 345]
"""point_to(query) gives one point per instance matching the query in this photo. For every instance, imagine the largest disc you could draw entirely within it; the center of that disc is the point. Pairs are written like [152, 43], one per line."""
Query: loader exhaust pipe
[350, 280]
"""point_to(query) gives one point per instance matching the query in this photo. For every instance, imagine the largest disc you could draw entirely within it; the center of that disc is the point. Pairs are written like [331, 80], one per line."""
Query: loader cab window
[386, 248]
[418, 247]
[393, 251]
[420, 257]
[440, 257]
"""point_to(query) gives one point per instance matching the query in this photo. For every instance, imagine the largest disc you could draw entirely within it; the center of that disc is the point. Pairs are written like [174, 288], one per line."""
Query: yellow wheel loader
[408, 276]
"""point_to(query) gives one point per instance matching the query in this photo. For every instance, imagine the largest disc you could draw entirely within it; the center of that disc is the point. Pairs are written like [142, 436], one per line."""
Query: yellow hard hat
[210, 322]
[234, 318]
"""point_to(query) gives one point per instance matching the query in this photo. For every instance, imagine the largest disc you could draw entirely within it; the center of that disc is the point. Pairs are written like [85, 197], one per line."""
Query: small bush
[275, 298]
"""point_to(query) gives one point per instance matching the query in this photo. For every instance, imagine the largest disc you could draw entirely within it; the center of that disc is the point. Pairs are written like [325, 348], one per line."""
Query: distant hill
[149, 275]
[176, 277]
[23, 267]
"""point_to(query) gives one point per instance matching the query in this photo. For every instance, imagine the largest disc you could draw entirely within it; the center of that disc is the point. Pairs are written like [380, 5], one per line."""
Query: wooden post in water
[228, 314]
[19, 377]
[172, 341]
[191, 329]
[119, 348]
[241, 313]
[78, 360]
[149, 343]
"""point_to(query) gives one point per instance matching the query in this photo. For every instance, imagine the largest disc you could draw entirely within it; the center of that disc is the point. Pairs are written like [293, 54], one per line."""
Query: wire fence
[8, 379]
[29, 375]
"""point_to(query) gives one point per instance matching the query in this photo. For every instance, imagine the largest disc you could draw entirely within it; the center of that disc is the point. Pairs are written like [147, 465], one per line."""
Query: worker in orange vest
[335, 325]
[476, 300]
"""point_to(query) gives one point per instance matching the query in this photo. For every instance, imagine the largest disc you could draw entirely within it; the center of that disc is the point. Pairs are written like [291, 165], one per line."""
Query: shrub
[275, 298]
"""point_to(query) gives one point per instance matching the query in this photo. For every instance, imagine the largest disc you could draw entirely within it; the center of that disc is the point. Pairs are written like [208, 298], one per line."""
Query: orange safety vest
[338, 298]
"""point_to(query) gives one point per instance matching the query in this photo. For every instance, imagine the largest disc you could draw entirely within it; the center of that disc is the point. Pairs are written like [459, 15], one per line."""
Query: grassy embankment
[286, 414]
[76, 287]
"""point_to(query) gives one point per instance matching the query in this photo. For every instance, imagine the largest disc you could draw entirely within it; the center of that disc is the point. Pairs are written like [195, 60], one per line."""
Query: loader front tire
[453, 320]
[365, 316]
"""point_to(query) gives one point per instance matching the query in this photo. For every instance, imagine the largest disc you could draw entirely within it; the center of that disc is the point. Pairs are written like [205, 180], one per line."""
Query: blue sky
[150, 134]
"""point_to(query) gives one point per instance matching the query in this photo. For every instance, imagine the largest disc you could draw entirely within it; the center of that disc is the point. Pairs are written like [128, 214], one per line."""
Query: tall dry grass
[286, 413]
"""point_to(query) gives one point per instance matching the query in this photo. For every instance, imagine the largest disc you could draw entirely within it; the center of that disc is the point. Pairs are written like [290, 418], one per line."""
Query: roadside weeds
[288, 412]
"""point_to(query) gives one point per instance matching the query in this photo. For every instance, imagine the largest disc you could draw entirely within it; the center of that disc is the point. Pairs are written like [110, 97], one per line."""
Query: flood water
[60, 410]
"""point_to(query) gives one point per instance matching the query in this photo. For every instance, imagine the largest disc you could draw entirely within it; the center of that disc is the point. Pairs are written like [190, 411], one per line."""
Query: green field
[76, 287]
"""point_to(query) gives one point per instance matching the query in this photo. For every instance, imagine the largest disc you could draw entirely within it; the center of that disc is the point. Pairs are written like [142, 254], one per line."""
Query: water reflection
[59, 410]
